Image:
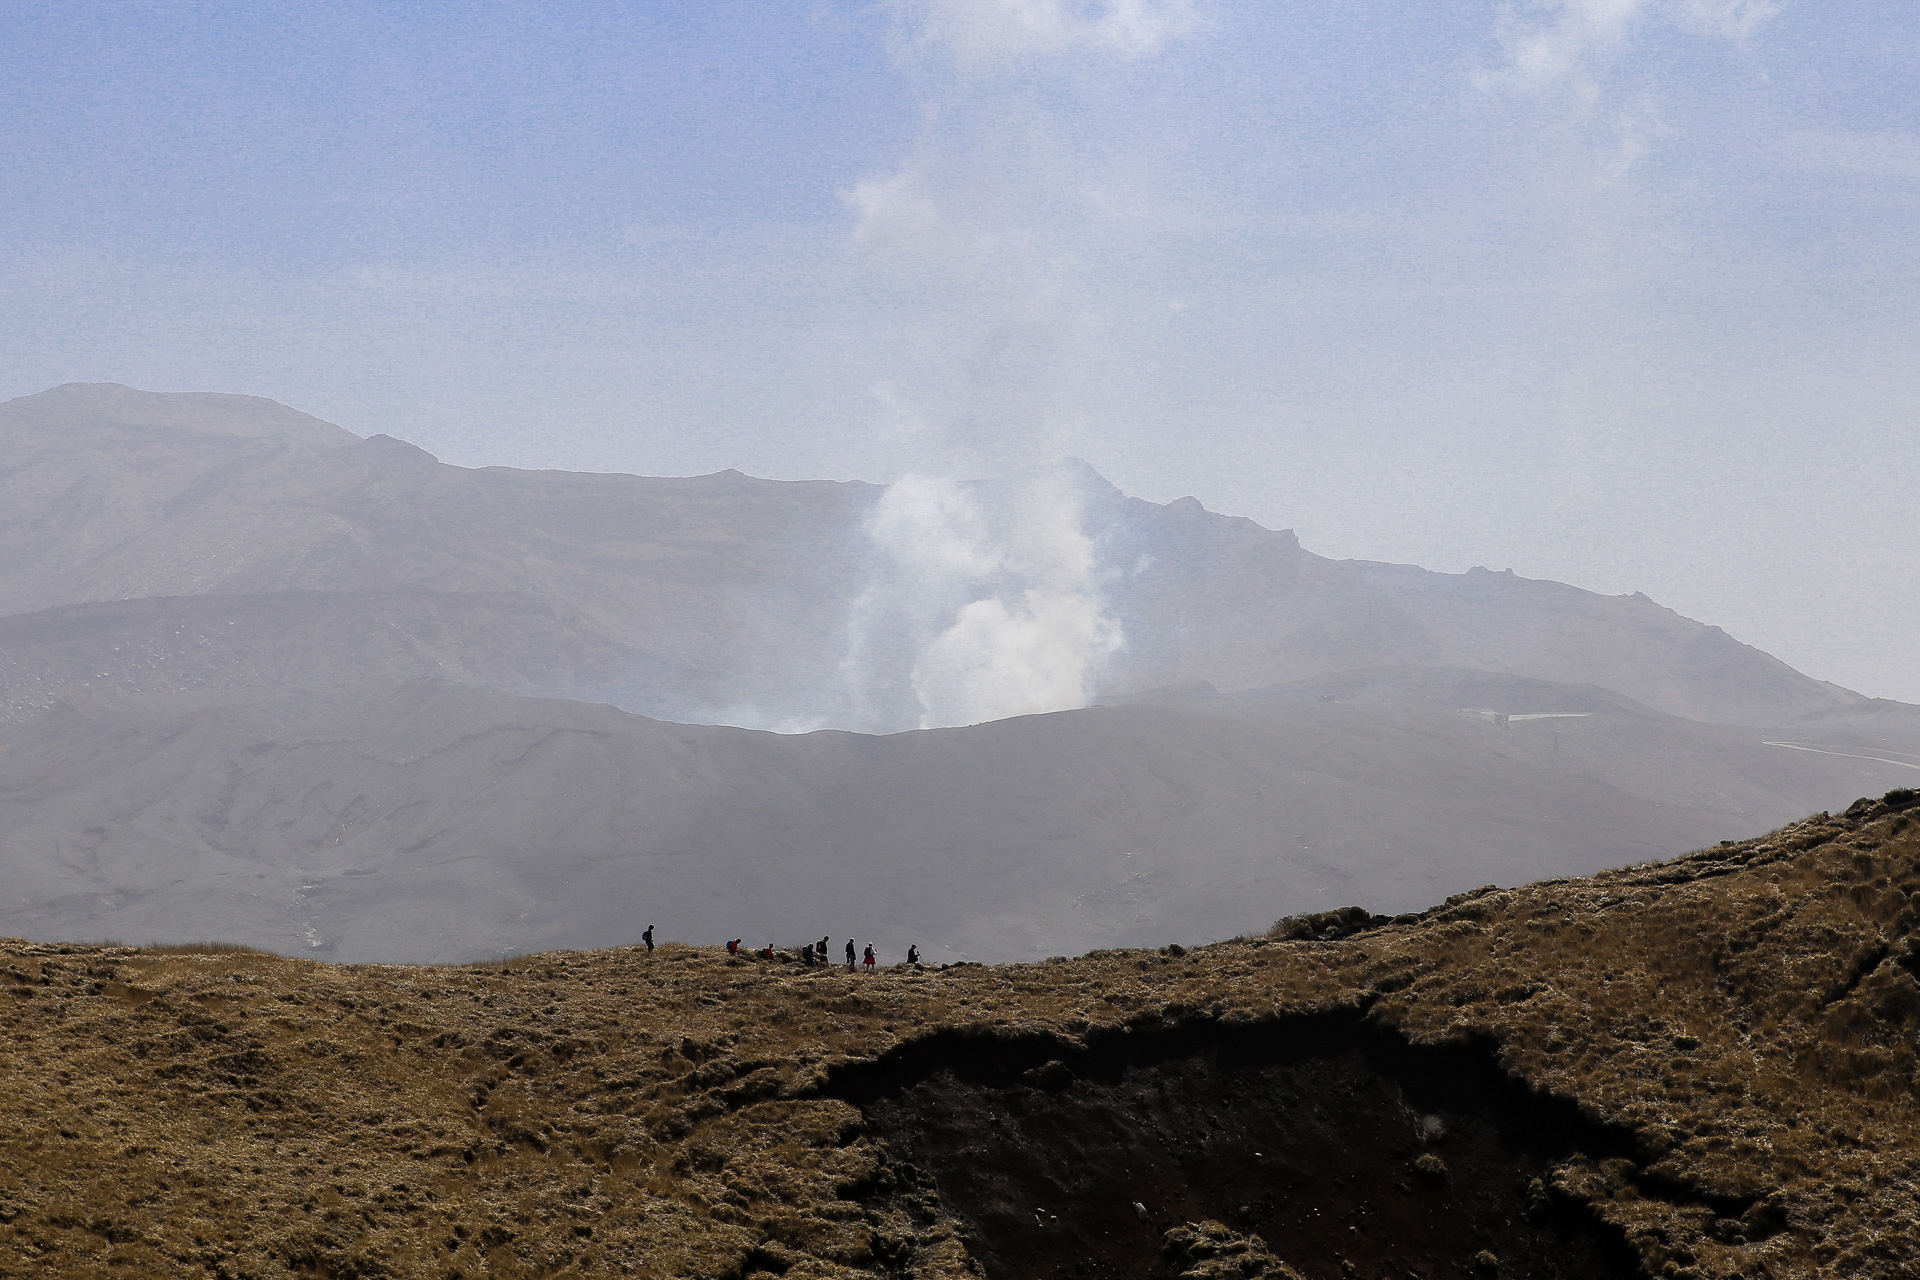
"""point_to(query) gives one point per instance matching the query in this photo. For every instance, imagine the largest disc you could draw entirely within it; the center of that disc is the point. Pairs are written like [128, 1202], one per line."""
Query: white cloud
[1634, 132]
[897, 213]
[981, 32]
[1734, 19]
[1560, 43]
[1558, 51]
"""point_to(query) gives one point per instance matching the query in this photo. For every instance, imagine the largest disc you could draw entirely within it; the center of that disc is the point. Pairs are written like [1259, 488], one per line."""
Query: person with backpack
[733, 946]
[913, 955]
[647, 938]
[869, 960]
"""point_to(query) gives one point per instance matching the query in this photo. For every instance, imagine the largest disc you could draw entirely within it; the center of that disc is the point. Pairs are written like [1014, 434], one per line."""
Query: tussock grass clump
[1212, 1251]
[1324, 926]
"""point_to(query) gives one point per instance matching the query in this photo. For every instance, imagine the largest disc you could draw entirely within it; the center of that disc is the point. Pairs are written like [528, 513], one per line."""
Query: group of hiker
[815, 953]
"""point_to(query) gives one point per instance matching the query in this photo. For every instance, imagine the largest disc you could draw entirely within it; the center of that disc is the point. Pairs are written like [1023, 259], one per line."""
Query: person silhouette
[869, 959]
[849, 955]
[647, 938]
[913, 955]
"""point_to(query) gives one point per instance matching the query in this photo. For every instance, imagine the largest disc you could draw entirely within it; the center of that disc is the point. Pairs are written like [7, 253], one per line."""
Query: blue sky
[1620, 292]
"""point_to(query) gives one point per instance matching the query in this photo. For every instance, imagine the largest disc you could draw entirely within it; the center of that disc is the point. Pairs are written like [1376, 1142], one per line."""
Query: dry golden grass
[201, 949]
[1749, 1012]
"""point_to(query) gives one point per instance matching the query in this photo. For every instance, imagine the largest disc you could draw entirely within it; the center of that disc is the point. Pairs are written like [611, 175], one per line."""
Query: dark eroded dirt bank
[1348, 1150]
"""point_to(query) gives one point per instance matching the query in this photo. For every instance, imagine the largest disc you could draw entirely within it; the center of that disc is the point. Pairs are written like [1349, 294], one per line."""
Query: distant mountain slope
[725, 590]
[1225, 602]
[718, 597]
[307, 639]
[436, 821]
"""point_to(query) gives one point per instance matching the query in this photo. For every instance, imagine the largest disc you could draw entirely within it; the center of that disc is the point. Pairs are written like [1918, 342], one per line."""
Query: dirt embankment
[1343, 1147]
[1702, 1068]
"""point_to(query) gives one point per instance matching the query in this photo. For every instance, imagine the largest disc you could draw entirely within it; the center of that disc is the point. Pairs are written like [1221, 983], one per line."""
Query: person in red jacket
[869, 958]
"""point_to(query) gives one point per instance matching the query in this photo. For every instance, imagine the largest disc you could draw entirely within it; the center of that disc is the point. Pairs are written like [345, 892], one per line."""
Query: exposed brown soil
[1697, 1069]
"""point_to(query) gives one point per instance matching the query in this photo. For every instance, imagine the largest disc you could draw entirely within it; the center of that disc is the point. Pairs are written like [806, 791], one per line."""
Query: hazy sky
[1619, 292]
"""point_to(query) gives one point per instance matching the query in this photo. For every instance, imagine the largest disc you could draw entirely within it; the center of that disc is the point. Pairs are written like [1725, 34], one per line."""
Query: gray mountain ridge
[434, 821]
[263, 680]
[729, 593]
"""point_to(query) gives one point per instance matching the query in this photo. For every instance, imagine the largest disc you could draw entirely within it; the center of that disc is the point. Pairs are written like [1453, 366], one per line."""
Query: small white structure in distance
[1505, 718]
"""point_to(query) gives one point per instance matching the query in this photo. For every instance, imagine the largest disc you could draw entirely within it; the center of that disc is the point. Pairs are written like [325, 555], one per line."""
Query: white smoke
[985, 596]
[993, 589]
[984, 600]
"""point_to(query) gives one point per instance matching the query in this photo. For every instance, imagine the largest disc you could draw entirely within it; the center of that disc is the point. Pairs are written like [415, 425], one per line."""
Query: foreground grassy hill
[1699, 1068]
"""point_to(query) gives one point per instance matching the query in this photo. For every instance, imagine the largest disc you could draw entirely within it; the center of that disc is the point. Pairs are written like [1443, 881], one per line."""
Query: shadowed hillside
[1698, 1069]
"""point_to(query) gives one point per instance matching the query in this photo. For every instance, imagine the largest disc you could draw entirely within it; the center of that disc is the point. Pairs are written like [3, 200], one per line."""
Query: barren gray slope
[1871, 725]
[1228, 604]
[309, 639]
[437, 821]
[727, 590]
[730, 596]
